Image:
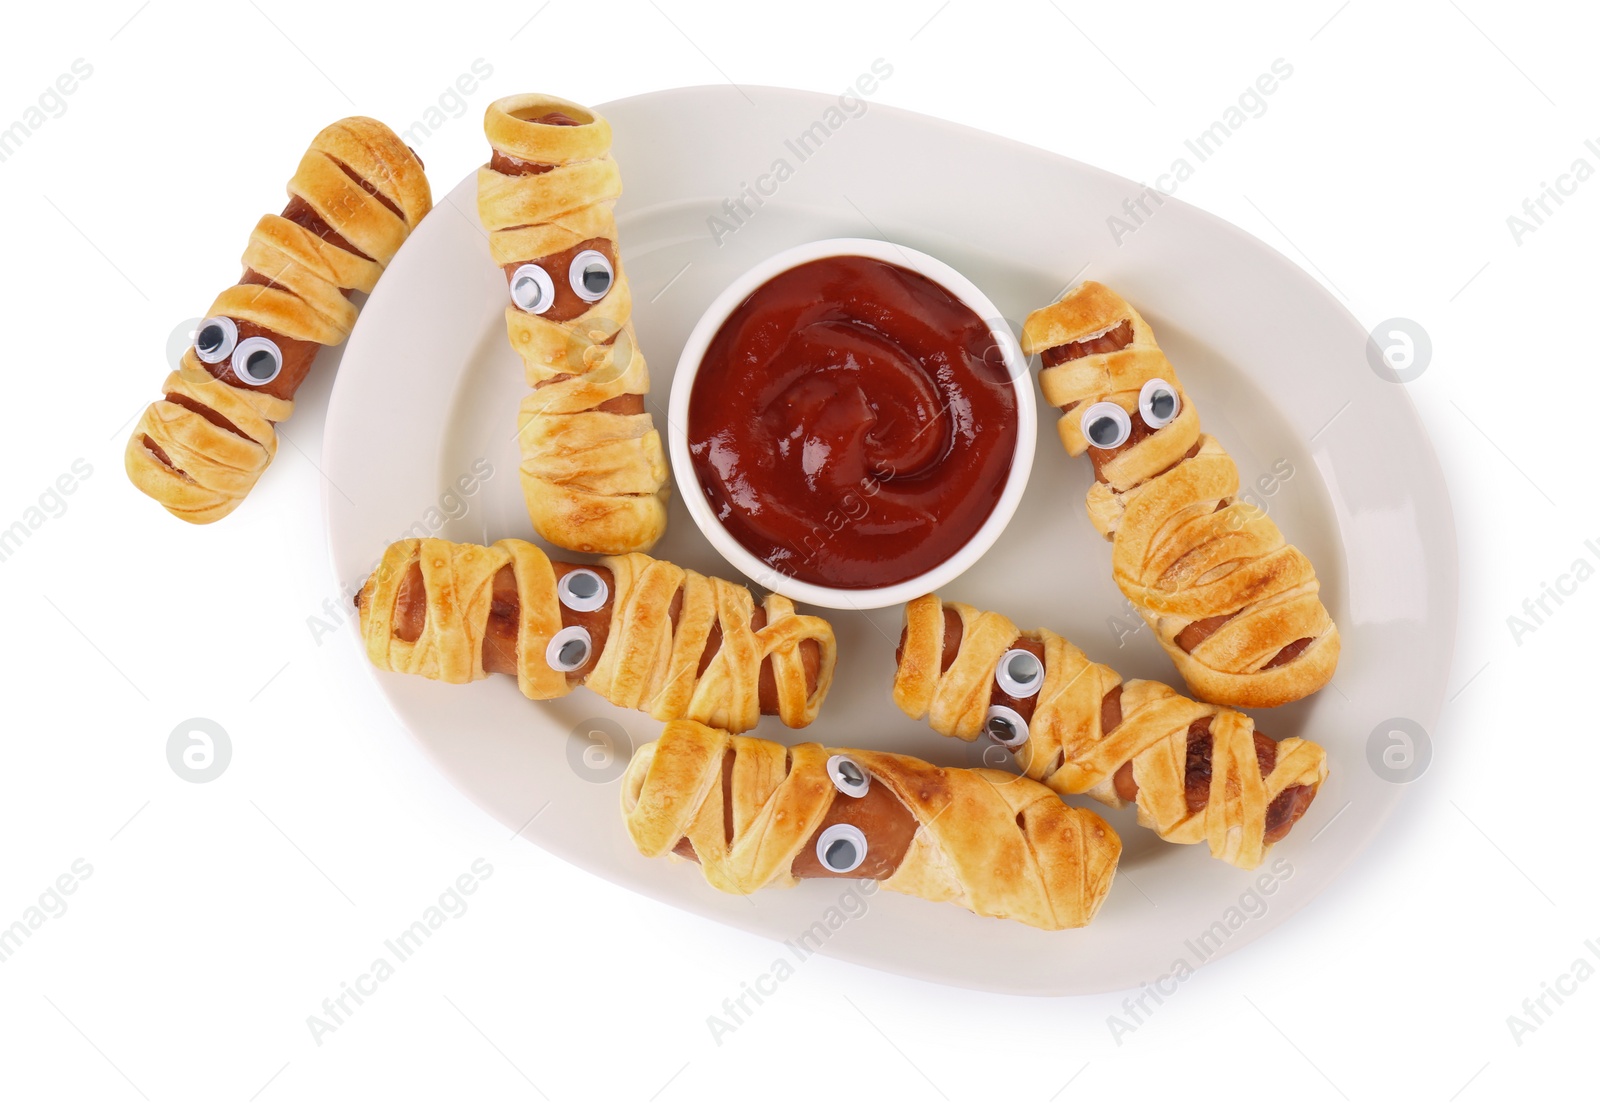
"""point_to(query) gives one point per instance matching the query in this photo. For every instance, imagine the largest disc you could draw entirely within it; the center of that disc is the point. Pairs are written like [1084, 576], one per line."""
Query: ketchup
[852, 423]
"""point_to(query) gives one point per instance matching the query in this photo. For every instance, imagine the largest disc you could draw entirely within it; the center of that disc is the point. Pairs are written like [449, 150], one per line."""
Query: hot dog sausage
[358, 193]
[1079, 728]
[1235, 606]
[753, 813]
[641, 632]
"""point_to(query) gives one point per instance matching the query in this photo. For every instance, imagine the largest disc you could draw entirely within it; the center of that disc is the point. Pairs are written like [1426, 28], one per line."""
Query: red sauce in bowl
[852, 423]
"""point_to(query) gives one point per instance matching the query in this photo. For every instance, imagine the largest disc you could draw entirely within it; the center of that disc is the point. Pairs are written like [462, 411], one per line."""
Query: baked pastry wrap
[1197, 772]
[663, 640]
[1236, 606]
[992, 842]
[593, 471]
[356, 196]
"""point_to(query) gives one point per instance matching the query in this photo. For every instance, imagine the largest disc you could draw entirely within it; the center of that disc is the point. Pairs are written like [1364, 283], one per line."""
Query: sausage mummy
[593, 471]
[640, 632]
[357, 195]
[1195, 771]
[754, 813]
[1233, 604]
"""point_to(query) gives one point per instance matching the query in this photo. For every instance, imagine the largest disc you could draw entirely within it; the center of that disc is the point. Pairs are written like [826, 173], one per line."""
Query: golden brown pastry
[593, 471]
[640, 632]
[1235, 606]
[358, 193]
[1197, 772]
[754, 813]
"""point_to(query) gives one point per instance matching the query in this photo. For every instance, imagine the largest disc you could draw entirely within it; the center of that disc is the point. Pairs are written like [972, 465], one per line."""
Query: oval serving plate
[427, 393]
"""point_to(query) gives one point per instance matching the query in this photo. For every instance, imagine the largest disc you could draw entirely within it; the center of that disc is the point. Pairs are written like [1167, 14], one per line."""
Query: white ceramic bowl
[735, 553]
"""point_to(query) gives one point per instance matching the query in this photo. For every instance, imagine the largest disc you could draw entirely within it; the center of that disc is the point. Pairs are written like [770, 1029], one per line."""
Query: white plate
[429, 385]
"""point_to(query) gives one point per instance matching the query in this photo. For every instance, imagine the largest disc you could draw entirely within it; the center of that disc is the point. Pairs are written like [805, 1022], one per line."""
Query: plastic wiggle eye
[582, 590]
[1158, 403]
[532, 289]
[847, 776]
[1006, 726]
[1019, 673]
[257, 361]
[1106, 425]
[568, 649]
[841, 848]
[214, 340]
[590, 275]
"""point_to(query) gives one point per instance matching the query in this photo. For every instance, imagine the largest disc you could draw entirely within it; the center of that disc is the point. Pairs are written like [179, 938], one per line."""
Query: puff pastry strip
[994, 843]
[650, 659]
[1235, 606]
[1088, 726]
[356, 196]
[593, 470]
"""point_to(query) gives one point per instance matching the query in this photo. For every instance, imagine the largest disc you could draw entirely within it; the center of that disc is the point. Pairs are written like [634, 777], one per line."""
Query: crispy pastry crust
[645, 664]
[1068, 750]
[594, 481]
[1176, 555]
[994, 843]
[212, 467]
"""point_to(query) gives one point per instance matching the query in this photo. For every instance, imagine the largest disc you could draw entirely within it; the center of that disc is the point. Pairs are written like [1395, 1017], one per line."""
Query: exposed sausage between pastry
[500, 639]
[358, 193]
[1236, 607]
[642, 633]
[753, 814]
[593, 468]
[1195, 771]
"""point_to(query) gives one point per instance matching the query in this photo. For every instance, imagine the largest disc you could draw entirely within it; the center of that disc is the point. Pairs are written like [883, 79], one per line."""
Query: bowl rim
[740, 557]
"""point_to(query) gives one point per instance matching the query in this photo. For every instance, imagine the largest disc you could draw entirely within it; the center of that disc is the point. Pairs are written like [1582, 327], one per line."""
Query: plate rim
[1431, 477]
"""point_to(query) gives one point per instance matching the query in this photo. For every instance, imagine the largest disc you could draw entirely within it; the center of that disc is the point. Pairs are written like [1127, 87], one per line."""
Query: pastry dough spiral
[1068, 748]
[594, 480]
[647, 663]
[991, 842]
[212, 467]
[1184, 547]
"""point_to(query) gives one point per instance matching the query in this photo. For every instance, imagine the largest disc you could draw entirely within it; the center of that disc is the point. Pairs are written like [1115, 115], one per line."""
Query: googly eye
[1006, 726]
[257, 361]
[1105, 425]
[582, 591]
[590, 275]
[848, 776]
[1019, 673]
[1158, 403]
[214, 340]
[841, 848]
[568, 649]
[532, 290]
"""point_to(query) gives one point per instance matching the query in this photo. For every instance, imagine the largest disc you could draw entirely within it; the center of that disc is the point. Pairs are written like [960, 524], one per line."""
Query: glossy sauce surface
[852, 423]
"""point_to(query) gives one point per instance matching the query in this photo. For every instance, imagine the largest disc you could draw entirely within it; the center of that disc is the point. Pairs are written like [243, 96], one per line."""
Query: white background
[219, 916]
